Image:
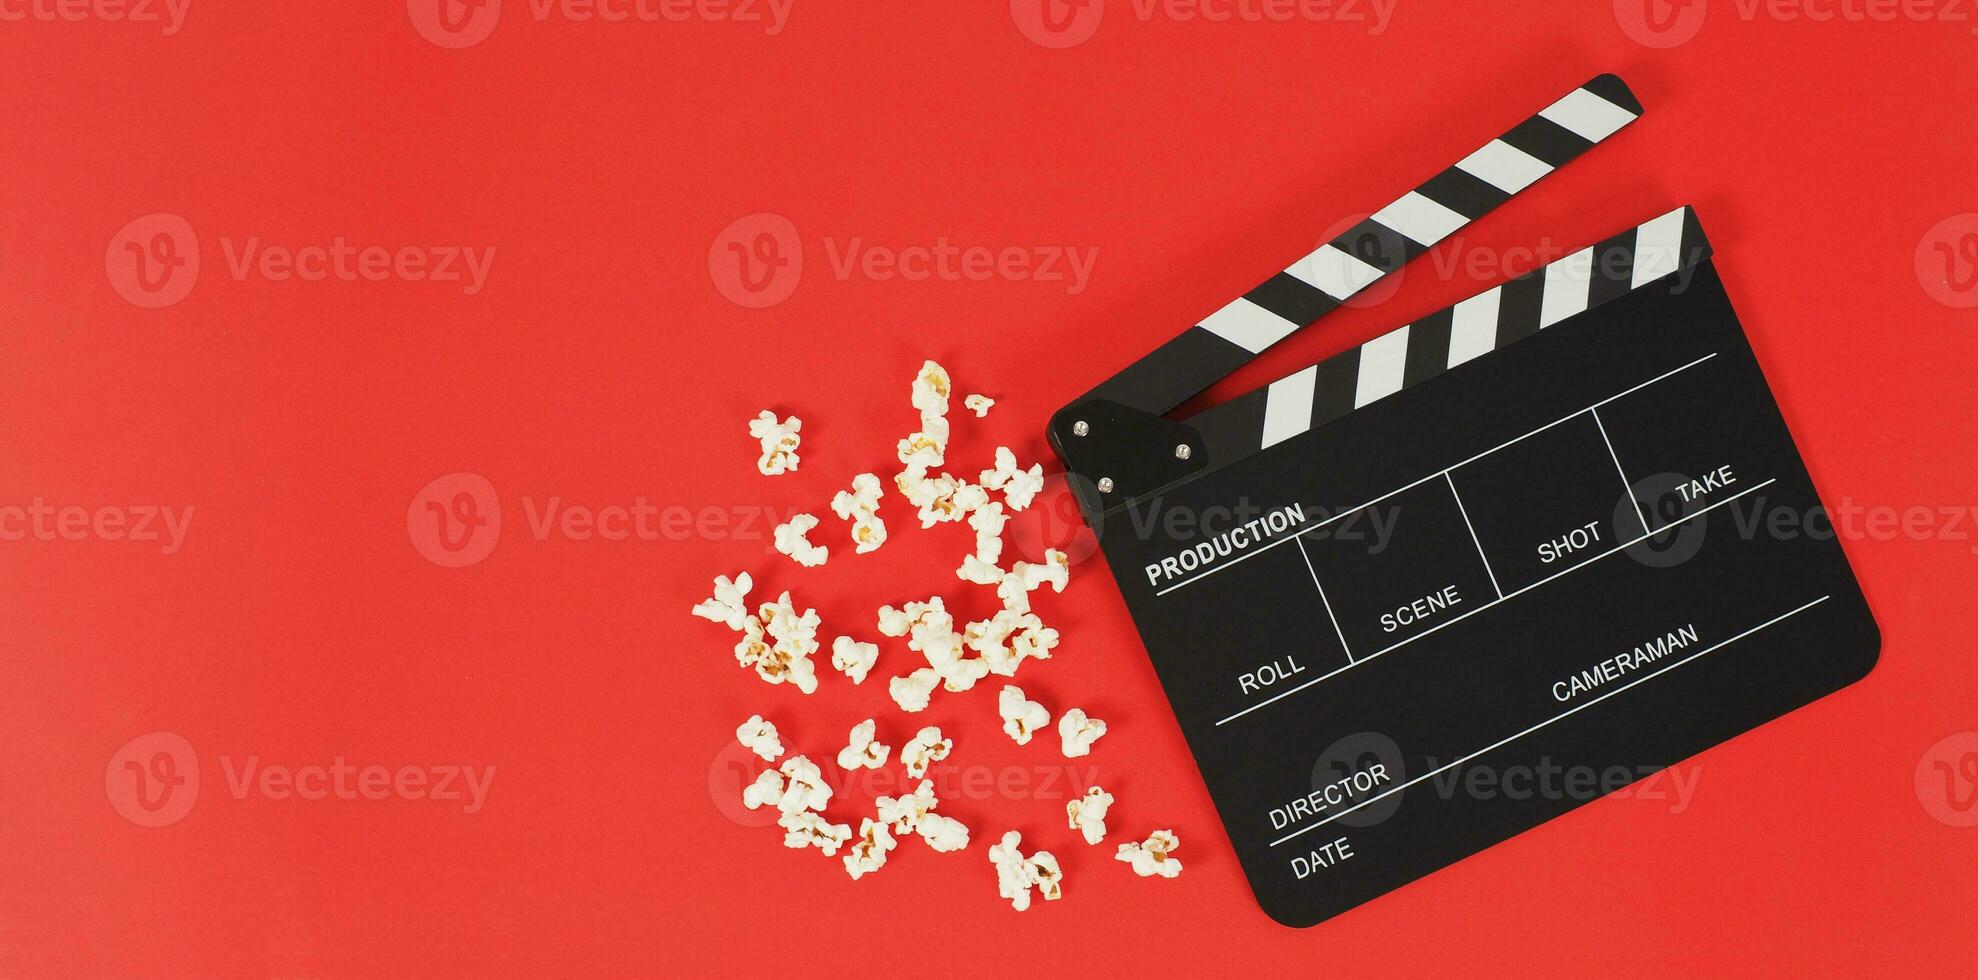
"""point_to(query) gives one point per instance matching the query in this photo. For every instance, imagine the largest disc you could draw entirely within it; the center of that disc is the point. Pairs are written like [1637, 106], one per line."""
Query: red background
[600, 363]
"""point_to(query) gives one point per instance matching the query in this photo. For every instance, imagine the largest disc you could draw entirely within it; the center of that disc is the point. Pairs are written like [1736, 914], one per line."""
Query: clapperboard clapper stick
[1441, 588]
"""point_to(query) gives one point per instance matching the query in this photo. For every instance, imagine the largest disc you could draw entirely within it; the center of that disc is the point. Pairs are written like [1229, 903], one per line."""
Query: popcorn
[861, 506]
[979, 572]
[912, 691]
[988, 521]
[1077, 732]
[1152, 856]
[1016, 874]
[898, 622]
[779, 443]
[795, 639]
[852, 658]
[978, 404]
[792, 539]
[767, 790]
[1019, 487]
[941, 833]
[1021, 717]
[805, 788]
[1087, 814]
[729, 606]
[904, 813]
[806, 829]
[930, 390]
[869, 853]
[863, 752]
[1055, 571]
[1035, 641]
[760, 737]
[926, 748]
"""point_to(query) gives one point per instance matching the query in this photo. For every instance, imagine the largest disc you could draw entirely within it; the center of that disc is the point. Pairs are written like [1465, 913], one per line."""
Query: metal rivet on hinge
[1105, 484]
[1080, 428]
[1182, 451]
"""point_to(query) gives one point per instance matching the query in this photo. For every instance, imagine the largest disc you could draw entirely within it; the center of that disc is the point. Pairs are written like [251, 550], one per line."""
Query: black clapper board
[1527, 535]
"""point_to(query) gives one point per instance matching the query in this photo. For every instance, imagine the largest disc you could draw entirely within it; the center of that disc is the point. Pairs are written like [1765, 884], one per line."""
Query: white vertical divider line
[1626, 487]
[1465, 511]
[1323, 601]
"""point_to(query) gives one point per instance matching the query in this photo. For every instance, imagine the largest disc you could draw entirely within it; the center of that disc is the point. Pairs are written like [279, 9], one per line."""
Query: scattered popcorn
[805, 788]
[1055, 571]
[979, 572]
[904, 813]
[804, 828]
[729, 606]
[794, 640]
[1087, 814]
[863, 752]
[869, 853]
[930, 390]
[760, 737]
[1019, 487]
[767, 790]
[1154, 856]
[861, 506]
[912, 691]
[1021, 717]
[1077, 731]
[792, 538]
[926, 748]
[988, 521]
[779, 443]
[852, 658]
[979, 404]
[1016, 874]
[941, 833]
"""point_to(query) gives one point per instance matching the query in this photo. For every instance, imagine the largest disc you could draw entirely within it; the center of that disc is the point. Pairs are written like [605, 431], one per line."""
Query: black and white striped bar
[1318, 283]
[1483, 323]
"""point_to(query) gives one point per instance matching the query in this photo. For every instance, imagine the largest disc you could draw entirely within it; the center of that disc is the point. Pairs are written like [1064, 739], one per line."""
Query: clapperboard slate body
[1523, 535]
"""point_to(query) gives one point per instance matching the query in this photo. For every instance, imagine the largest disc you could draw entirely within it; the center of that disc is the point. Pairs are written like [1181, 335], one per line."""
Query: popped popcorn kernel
[787, 660]
[868, 853]
[1054, 570]
[804, 828]
[942, 833]
[852, 658]
[860, 505]
[767, 790]
[863, 752]
[988, 522]
[759, 736]
[1021, 717]
[1154, 856]
[1016, 874]
[779, 443]
[1018, 486]
[805, 788]
[926, 748]
[1087, 814]
[931, 388]
[912, 691]
[976, 571]
[792, 539]
[729, 605]
[904, 813]
[979, 404]
[1077, 731]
